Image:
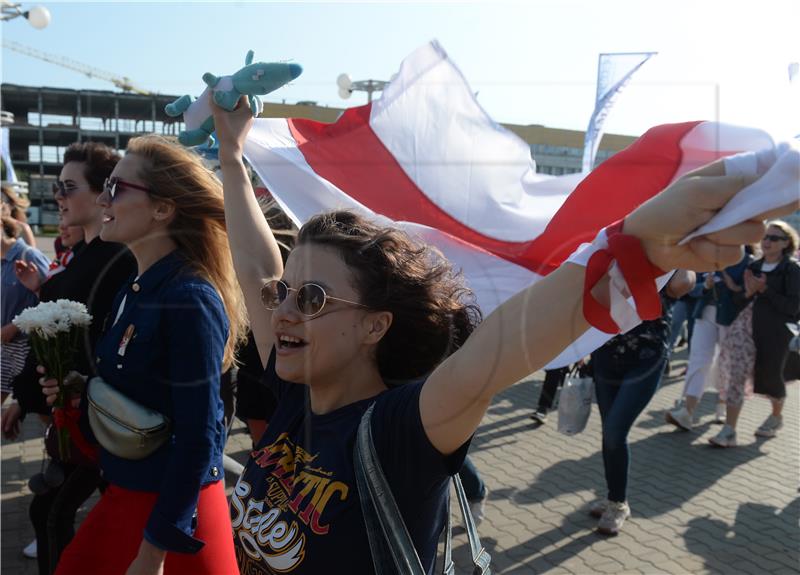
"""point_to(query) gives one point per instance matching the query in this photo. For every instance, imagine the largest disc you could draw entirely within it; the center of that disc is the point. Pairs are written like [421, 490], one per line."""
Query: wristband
[621, 257]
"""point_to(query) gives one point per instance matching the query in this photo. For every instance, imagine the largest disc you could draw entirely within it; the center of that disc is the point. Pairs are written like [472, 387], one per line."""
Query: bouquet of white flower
[54, 329]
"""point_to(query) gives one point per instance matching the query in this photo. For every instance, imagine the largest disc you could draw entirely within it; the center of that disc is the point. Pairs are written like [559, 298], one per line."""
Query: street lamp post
[347, 86]
[38, 16]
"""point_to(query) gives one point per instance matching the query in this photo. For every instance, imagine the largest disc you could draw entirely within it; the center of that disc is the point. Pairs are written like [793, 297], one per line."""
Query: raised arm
[256, 256]
[27, 234]
[533, 327]
[681, 283]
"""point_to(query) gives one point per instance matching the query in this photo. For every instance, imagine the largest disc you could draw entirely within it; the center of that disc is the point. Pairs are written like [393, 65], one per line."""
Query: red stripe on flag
[612, 191]
[351, 156]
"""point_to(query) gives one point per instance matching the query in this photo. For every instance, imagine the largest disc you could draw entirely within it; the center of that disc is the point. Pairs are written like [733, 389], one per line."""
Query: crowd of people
[186, 281]
[738, 338]
[740, 343]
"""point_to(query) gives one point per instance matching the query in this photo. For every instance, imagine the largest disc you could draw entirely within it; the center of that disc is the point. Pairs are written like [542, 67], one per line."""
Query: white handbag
[575, 404]
[794, 344]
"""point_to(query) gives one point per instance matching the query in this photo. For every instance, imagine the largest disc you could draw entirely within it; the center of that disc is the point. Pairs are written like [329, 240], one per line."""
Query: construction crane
[122, 83]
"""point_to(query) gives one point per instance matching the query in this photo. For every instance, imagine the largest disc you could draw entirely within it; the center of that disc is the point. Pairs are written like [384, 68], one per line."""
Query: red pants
[108, 540]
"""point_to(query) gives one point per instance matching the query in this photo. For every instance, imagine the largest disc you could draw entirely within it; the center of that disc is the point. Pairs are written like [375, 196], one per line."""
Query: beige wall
[534, 134]
[310, 112]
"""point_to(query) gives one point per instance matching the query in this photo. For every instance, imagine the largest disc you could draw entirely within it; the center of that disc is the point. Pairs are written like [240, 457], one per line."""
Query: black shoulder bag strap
[390, 543]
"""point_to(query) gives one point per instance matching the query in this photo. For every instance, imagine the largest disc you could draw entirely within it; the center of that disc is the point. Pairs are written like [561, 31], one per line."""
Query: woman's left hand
[28, 275]
[232, 128]
[759, 283]
[751, 284]
[73, 380]
[8, 332]
[148, 561]
[663, 221]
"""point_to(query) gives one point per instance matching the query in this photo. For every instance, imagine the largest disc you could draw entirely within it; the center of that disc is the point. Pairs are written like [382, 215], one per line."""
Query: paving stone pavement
[695, 509]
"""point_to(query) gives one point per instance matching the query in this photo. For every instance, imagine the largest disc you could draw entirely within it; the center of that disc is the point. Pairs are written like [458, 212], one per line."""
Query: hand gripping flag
[427, 158]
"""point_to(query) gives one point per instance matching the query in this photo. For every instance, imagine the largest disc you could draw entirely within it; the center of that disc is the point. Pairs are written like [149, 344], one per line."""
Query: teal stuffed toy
[253, 80]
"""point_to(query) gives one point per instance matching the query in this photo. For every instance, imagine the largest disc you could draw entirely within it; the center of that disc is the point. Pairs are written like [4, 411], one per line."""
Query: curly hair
[433, 311]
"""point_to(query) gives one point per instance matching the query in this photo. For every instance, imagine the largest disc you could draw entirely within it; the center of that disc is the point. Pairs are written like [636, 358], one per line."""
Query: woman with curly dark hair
[358, 307]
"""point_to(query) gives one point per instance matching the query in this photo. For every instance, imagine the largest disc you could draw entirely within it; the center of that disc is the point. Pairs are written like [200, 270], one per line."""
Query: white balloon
[39, 17]
[344, 93]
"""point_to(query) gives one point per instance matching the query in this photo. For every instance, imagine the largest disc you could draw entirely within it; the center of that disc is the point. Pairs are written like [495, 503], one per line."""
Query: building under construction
[47, 120]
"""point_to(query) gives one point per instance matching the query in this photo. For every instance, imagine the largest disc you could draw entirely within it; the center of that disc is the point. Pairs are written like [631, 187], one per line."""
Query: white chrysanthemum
[75, 312]
[52, 317]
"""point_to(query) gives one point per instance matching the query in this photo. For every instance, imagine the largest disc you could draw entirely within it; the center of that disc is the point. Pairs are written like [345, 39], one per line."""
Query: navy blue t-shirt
[296, 508]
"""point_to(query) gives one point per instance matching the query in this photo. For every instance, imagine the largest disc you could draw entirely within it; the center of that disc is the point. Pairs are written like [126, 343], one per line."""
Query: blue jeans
[624, 385]
[682, 312]
[474, 488]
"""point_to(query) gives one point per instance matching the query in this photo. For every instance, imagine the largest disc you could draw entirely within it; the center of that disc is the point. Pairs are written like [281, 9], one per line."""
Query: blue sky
[531, 62]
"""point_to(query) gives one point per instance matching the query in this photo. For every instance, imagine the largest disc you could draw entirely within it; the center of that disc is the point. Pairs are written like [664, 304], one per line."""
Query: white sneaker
[770, 426]
[725, 438]
[30, 550]
[598, 508]
[614, 516]
[539, 417]
[478, 509]
[719, 413]
[680, 418]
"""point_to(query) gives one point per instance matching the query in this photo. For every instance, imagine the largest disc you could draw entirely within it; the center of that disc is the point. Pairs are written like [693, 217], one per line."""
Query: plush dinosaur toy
[252, 81]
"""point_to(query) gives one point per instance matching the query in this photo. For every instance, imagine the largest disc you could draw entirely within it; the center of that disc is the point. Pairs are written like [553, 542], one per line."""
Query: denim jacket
[165, 351]
[14, 296]
[719, 295]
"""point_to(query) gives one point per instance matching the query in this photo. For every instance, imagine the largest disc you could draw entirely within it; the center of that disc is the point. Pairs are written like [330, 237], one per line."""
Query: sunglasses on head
[774, 238]
[310, 298]
[112, 186]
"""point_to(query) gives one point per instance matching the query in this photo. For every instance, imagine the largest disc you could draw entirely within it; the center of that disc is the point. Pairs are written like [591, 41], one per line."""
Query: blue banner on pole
[613, 73]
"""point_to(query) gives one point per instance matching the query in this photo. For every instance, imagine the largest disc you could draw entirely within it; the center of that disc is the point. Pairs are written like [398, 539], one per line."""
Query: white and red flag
[426, 157]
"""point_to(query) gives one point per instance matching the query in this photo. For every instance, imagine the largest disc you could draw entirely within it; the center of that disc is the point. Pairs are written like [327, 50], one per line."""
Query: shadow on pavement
[664, 473]
[562, 543]
[523, 395]
[772, 530]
